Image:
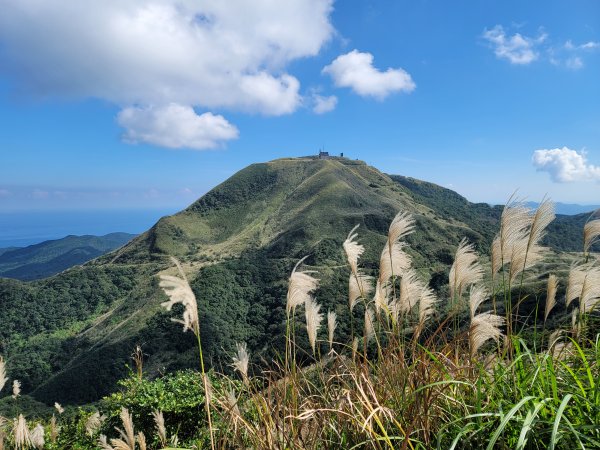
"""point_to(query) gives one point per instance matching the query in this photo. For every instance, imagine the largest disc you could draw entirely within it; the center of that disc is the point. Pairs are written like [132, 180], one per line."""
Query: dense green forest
[238, 244]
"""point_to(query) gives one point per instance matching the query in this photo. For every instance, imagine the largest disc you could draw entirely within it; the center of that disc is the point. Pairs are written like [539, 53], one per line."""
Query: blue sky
[127, 104]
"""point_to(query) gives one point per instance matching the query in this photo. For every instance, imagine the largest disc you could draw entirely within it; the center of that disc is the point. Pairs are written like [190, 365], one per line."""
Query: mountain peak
[266, 201]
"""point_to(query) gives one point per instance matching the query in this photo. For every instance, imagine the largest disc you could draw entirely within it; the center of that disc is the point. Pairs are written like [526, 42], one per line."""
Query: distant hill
[569, 209]
[51, 257]
[7, 249]
[68, 338]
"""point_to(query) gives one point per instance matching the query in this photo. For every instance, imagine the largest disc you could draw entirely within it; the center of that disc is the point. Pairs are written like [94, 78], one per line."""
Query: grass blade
[505, 420]
[559, 413]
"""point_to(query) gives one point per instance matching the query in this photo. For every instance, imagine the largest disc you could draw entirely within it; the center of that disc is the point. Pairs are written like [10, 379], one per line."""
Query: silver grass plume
[402, 225]
[359, 286]
[513, 226]
[477, 295]
[3, 377]
[484, 326]
[411, 288]
[556, 347]
[127, 440]
[59, 408]
[241, 360]
[93, 423]
[3, 422]
[584, 283]
[354, 345]
[518, 243]
[313, 321]
[591, 233]
[37, 436]
[380, 299]
[231, 402]
[21, 433]
[543, 216]
[103, 443]
[369, 325]
[590, 292]
[179, 291]
[300, 286]
[575, 282]
[16, 389]
[551, 289]
[522, 260]
[209, 388]
[331, 326]
[465, 270]
[353, 249]
[393, 261]
[141, 439]
[575, 323]
[427, 302]
[159, 422]
[53, 429]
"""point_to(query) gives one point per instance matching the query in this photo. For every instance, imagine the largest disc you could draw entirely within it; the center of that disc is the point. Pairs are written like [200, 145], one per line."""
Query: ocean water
[20, 229]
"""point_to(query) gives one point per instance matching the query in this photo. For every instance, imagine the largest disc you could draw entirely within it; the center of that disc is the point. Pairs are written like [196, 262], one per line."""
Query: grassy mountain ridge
[238, 244]
[50, 257]
[565, 233]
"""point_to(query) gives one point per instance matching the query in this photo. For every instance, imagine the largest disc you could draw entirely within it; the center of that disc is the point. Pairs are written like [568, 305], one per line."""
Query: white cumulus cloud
[175, 126]
[565, 165]
[229, 55]
[324, 104]
[212, 54]
[590, 45]
[355, 70]
[574, 54]
[517, 49]
[574, 63]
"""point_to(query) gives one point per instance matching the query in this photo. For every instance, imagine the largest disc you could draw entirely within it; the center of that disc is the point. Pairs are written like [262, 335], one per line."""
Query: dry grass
[3, 377]
[465, 270]
[551, 289]
[422, 380]
[591, 233]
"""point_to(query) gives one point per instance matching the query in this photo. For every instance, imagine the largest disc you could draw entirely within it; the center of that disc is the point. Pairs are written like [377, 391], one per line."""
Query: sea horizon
[24, 228]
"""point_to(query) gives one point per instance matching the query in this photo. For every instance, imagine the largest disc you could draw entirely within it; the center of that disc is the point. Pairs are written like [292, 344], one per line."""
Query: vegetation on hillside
[51, 257]
[237, 245]
[416, 370]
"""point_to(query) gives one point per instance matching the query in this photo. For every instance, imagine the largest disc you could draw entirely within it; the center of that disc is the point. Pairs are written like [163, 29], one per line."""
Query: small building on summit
[323, 155]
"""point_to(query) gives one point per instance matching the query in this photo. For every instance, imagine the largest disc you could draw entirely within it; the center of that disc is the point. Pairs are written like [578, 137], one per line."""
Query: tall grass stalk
[179, 291]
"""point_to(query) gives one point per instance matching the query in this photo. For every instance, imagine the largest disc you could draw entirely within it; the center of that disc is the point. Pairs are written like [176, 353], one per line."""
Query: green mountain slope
[7, 249]
[69, 337]
[50, 257]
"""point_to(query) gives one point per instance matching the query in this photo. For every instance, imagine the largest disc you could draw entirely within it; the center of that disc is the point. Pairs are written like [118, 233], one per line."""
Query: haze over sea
[22, 228]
